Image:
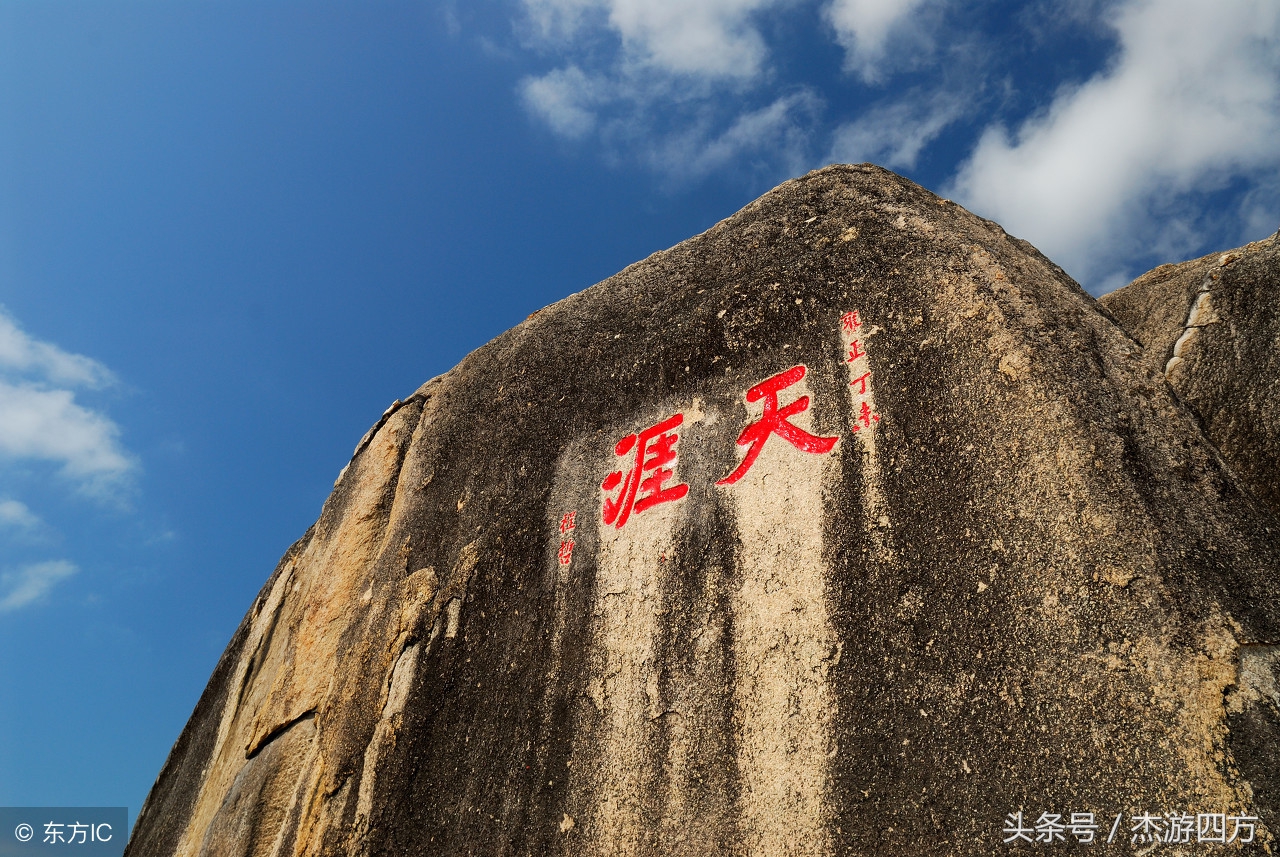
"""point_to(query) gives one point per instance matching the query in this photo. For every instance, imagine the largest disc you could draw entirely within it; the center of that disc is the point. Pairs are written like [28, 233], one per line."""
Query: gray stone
[1212, 327]
[1019, 580]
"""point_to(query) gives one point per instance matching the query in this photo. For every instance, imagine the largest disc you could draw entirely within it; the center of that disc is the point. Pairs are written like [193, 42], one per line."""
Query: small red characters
[566, 544]
[863, 399]
[566, 551]
[654, 447]
[774, 420]
[865, 417]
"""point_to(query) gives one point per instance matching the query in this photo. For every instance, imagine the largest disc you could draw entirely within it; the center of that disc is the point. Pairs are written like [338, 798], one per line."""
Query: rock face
[850, 526]
[1212, 327]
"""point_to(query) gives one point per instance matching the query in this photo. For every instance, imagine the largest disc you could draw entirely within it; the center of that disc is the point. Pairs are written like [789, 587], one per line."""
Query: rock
[920, 541]
[1212, 327]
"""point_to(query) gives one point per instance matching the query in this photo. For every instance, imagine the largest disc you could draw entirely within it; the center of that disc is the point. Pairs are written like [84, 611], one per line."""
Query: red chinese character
[865, 417]
[566, 552]
[774, 421]
[566, 523]
[862, 383]
[855, 351]
[654, 447]
[849, 321]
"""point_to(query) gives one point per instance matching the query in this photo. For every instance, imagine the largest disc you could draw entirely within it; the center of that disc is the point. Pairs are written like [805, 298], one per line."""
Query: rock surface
[974, 558]
[1212, 327]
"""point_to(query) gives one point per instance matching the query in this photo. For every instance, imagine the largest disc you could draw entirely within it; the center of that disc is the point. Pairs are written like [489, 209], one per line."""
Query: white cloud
[20, 353]
[711, 38]
[680, 83]
[40, 418]
[564, 98]
[893, 135]
[1260, 210]
[714, 38]
[1192, 101]
[16, 515]
[560, 20]
[31, 583]
[48, 424]
[864, 28]
[664, 81]
[779, 129]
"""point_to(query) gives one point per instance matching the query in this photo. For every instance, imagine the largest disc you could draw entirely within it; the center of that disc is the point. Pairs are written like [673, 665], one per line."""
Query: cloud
[710, 38]
[20, 353]
[15, 515]
[670, 83]
[31, 583]
[1260, 210]
[713, 38]
[689, 86]
[1111, 167]
[864, 29]
[779, 129]
[40, 418]
[48, 424]
[564, 98]
[561, 20]
[893, 135]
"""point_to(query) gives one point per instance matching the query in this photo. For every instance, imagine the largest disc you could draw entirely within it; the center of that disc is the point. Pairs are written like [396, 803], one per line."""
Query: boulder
[1211, 326]
[850, 526]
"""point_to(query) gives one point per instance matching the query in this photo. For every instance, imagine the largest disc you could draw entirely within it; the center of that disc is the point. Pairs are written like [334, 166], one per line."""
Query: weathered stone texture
[1030, 584]
[1212, 326]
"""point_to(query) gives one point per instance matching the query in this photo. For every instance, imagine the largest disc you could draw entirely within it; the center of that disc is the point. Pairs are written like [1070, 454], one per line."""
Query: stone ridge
[1212, 326]
[849, 526]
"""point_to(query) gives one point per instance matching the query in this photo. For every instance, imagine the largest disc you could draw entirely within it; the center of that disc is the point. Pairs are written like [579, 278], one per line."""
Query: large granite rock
[1212, 327]
[850, 526]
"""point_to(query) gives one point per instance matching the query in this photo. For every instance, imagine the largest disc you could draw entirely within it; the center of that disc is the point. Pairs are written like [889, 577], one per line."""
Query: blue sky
[231, 233]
